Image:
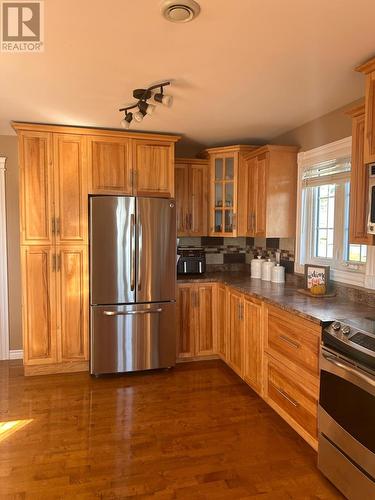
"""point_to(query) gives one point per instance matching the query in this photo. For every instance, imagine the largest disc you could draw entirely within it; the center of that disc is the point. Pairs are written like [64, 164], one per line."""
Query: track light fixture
[145, 108]
[125, 123]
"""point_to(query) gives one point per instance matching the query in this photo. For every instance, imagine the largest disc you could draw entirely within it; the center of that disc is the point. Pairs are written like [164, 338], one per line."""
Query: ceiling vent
[180, 11]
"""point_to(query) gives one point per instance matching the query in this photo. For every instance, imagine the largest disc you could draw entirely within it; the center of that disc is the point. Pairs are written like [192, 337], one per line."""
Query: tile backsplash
[231, 253]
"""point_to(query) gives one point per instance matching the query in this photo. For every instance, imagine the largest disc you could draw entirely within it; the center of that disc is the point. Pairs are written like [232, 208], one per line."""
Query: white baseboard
[16, 354]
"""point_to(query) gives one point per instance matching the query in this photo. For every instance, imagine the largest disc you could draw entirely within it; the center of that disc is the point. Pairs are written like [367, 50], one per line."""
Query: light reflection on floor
[12, 426]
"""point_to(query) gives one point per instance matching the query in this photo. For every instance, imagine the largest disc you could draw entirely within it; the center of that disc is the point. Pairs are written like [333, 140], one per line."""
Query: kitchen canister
[256, 267]
[278, 274]
[267, 267]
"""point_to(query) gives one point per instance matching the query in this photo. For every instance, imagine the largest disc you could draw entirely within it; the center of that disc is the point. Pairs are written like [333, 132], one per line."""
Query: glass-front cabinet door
[223, 194]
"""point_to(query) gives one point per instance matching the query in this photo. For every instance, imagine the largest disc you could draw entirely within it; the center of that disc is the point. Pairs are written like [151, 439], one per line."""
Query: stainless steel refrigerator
[132, 283]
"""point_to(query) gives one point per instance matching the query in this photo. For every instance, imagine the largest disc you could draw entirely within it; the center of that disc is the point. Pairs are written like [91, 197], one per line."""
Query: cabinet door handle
[287, 397]
[190, 222]
[57, 225]
[187, 221]
[53, 224]
[58, 262]
[54, 262]
[132, 252]
[253, 224]
[289, 341]
[130, 177]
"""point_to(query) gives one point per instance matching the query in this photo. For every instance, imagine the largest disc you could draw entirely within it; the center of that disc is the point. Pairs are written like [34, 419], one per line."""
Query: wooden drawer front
[291, 397]
[294, 341]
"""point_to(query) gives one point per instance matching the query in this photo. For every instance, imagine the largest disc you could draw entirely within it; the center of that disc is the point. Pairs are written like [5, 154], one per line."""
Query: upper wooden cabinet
[368, 69]
[226, 188]
[268, 206]
[153, 168]
[110, 165]
[359, 181]
[70, 188]
[191, 181]
[36, 187]
[253, 191]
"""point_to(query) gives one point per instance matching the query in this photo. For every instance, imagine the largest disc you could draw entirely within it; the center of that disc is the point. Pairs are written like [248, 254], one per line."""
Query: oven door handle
[348, 368]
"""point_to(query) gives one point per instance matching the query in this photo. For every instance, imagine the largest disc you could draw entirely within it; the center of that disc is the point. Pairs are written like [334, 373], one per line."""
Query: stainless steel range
[346, 454]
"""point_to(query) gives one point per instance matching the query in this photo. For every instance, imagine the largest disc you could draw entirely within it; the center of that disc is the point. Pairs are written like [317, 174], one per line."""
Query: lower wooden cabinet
[72, 297]
[294, 395]
[275, 352]
[195, 331]
[221, 321]
[235, 319]
[291, 374]
[55, 308]
[253, 343]
[38, 305]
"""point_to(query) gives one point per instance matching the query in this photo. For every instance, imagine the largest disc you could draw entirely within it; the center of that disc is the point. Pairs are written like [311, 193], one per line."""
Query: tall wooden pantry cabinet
[59, 168]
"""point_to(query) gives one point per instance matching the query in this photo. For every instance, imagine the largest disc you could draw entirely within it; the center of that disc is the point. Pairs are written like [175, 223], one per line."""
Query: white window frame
[342, 273]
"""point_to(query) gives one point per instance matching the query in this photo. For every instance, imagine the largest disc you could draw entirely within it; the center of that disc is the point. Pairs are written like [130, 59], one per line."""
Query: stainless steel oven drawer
[353, 483]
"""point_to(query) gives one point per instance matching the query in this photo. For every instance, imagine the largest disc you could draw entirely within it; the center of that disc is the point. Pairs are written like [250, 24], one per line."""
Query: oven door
[346, 424]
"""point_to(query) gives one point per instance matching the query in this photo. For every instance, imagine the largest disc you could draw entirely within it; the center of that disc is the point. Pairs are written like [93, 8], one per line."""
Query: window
[324, 213]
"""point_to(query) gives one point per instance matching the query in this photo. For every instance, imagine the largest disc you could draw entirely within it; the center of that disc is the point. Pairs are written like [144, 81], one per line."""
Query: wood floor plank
[194, 432]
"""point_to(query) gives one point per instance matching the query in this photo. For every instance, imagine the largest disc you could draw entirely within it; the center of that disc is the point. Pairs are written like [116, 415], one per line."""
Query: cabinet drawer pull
[287, 397]
[290, 342]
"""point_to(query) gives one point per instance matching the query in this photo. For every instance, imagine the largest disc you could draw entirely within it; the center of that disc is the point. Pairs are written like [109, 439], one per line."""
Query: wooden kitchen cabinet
[293, 396]
[191, 185]
[253, 343]
[38, 305]
[270, 193]
[36, 187]
[59, 167]
[110, 165]
[221, 321]
[72, 303]
[359, 181]
[235, 358]
[291, 357]
[195, 330]
[70, 189]
[226, 188]
[55, 308]
[153, 168]
[368, 69]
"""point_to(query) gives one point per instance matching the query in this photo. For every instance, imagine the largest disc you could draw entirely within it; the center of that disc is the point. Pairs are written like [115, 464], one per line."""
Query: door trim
[4, 318]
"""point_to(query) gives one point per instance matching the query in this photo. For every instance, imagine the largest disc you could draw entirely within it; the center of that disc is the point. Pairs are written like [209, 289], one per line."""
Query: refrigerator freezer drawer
[132, 337]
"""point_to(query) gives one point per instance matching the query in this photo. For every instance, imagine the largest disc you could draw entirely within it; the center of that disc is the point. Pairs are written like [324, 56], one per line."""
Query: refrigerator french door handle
[140, 245]
[125, 313]
[132, 252]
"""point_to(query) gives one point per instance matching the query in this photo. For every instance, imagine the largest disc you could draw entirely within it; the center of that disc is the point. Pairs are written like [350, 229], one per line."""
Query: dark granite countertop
[285, 296]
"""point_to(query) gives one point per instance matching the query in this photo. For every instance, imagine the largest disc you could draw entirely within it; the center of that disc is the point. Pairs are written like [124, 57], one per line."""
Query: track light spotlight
[147, 108]
[166, 100]
[125, 123]
[139, 115]
[143, 107]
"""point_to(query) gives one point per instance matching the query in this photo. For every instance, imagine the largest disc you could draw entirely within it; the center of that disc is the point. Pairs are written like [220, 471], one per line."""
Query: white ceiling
[243, 70]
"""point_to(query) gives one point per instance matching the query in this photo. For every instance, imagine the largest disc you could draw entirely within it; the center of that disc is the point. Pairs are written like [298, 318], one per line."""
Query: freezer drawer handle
[125, 313]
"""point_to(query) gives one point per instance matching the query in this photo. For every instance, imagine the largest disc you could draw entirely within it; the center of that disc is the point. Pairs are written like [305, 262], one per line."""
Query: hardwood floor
[195, 432]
